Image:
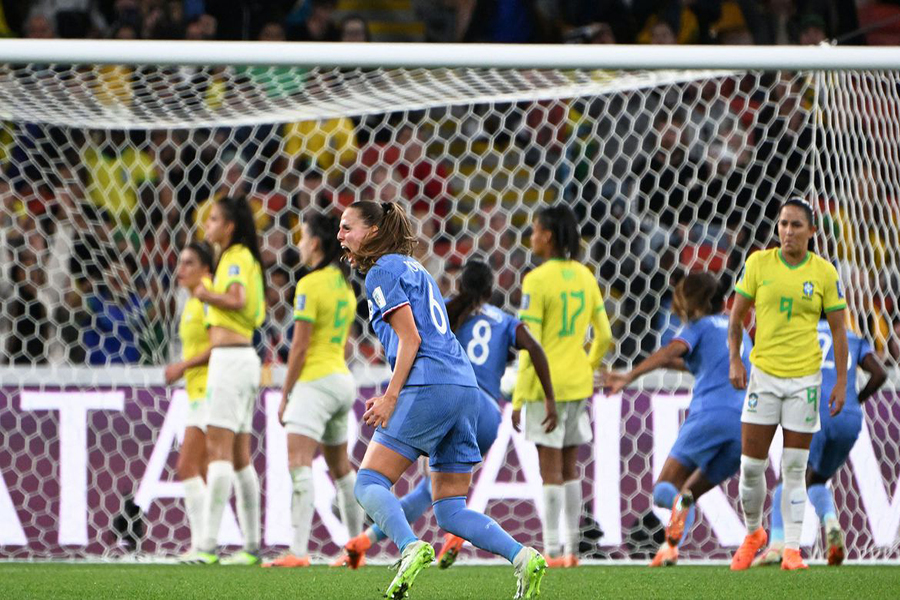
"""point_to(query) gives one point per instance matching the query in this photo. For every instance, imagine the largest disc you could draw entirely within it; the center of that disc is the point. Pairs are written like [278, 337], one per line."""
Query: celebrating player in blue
[831, 445]
[430, 406]
[487, 334]
[708, 448]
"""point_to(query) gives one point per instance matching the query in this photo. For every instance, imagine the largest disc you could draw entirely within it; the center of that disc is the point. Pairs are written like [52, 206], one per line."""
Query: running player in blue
[708, 448]
[831, 445]
[430, 406]
[487, 334]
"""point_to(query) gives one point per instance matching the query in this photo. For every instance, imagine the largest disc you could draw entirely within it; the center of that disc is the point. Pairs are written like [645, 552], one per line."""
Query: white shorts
[318, 409]
[231, 388]
[196, 413]
[791, 402]
[573, 425]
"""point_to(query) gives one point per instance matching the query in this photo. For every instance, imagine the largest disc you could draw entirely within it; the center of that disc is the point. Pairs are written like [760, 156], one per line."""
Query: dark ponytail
[204, 254]
[395, 233]
[475, 288]
[324, 227]
[237, 210]
[562, 224]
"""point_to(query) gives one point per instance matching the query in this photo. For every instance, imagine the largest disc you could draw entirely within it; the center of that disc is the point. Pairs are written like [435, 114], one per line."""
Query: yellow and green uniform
[559, 300]
[326, 300]
[237, 265]
[114, 181]
[789, 300]
[194, 341]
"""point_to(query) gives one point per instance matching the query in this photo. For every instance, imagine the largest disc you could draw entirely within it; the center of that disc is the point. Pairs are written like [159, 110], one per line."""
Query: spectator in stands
[661, 34]
[38, 26]
[316, 25]
[279, 325]
[329, 144]
[426, 181]
[812, 30]
[597, 21]
[72, 319]
[116, 311]
[354, 28]
[505, 22]
[26, 314]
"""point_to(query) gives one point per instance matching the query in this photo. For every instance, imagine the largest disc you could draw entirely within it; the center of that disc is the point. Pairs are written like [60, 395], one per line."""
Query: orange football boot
[744, 556]
[791, 560]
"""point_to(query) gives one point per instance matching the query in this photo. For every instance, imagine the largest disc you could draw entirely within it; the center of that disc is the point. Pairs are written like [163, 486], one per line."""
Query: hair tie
[386, 206]
[803, 201]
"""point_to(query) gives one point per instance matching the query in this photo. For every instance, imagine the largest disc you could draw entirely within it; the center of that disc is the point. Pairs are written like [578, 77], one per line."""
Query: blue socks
[777, 534]
[414, 504]
[664, 494]
[821, 499]
[373, 492]
[482, 531]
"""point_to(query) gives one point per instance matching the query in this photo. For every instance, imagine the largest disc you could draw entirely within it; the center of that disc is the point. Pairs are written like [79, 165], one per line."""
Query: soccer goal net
[107, 170]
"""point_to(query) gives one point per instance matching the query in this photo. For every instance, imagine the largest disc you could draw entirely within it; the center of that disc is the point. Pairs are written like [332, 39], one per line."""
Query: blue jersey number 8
[477, 348]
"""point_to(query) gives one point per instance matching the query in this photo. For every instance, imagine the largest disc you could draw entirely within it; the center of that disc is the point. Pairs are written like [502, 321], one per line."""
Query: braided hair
[475, 288]
[562, 224]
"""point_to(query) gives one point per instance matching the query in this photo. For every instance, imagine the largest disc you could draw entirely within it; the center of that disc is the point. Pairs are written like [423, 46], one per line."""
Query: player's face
[189, 272]
[216, 229]
[540, 239]
[352, 233]
[307, 246]
[794, 230]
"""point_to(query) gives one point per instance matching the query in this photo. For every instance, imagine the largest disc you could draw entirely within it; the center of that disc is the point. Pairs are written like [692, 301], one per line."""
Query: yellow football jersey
[237, 265]
[325, 299]
[559, 300]
[194, 341]
[789, 300]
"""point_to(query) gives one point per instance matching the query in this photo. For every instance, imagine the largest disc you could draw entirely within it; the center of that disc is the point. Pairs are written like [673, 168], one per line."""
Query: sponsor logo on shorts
[752, 402]
[808, 289]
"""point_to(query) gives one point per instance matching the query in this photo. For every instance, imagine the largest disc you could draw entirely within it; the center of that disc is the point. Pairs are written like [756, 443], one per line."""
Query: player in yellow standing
[790, 287]
[195, 267]
[235, 308]
[560, 299]
[319, 390]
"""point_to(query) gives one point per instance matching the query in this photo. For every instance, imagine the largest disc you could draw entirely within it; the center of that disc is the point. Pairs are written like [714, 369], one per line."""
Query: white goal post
[673, 158]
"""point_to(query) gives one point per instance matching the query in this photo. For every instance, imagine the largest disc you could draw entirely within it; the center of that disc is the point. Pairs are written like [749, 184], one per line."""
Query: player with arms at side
[831, 445]
[319, 390]
[487, 334]
[430, 405]
[790, 287]
[560, 299]
[235, 308]
[195, 267]
[708, 448]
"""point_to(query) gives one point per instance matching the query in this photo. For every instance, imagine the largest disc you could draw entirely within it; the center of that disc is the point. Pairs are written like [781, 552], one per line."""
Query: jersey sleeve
[865, 349]
[690, 334]
[833, 298]
[602, 329]
[233, 269]
[746, 285]
[305, 301]
[531, 310]
[385, 291]
[512, 324]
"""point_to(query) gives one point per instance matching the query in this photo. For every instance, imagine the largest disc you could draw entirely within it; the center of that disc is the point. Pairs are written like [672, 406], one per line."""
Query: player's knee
[368, 481]
[793, 464]
[446, 511]
[752, 469]
[664, 494]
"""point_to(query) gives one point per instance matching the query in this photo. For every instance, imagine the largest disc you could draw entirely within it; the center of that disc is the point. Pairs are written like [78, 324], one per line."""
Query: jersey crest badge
[808, 289]
[234, 270]
[301, 302]
[378, 295]
[526, 301]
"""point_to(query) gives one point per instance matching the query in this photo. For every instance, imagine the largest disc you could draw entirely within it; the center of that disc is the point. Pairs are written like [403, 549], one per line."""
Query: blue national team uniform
[437, 410]
[710, 438]
[487, 336]
[831, 445]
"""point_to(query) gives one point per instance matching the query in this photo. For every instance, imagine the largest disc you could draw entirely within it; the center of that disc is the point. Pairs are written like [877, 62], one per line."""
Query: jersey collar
[797, 266]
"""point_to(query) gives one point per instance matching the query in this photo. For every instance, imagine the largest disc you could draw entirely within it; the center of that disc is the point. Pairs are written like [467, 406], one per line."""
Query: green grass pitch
[137, 582]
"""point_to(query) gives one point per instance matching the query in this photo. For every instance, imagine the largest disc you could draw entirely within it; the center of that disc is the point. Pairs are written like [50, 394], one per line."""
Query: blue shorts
[831, 445]
[488, 423]
[710, 442]
[439, 421]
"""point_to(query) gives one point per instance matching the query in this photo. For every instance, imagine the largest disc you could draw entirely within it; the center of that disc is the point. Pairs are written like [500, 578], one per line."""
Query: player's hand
[173, 373]
[379, 410]
[837, 399]
[281, 408]
[517, 419]
[549, 421]
[200, 293]
[615, 382]
[738, 374]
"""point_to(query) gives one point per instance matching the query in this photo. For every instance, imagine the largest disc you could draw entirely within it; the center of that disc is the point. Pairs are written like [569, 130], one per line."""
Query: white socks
[572, 516]
[218, 490]
[247, 495]
[194, 492]
[553, 503]
[301, 509]
[753, 490]
[351, 512]
[793, 495]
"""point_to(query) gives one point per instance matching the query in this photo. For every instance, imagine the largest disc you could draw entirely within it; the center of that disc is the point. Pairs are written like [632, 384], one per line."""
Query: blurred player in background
[319, 390]
[487, 334]
[195, 266]
[560, 299]
[831, 445]
[790, 287]
[430, 405]
[235, 308]
[708, 448]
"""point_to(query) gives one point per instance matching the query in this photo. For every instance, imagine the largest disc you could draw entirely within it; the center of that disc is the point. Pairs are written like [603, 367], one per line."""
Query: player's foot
[666, 556]
[530, 569]
[356, 550]
[417, 556]
[770, 557]
[570, 561]
[835, 538]
[241, 559]
[792, 561]
[202, 558]
[450, 550]
[744, 556]
[680, 509]
[555, 562]
[344, 561]
[288, 561]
